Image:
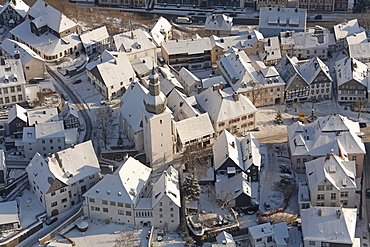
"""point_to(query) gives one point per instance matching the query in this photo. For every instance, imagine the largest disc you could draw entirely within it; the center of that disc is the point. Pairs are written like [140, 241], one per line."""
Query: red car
[78, 81]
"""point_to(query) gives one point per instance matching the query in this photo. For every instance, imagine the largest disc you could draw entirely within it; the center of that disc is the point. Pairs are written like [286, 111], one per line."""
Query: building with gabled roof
[331, 181]
[262, 88]
[271, 53]
[196, 130]
[360, 52]
[329, 226]
[69, 115]
[352, 80]
[60, 180]
[182, 106]
[17, 119]
[234, 190]
[33, 64]
[331, 134]
[95, 41]
[227, 109]
[13, 13]
[218, 24]
[111, 74]
[161, 31]
[275, 235]
[42, 116]
[136, 44]
[117, 194]
[343, 30]
[273, 21]
[312, 78]
[189, 81]
[231, 155]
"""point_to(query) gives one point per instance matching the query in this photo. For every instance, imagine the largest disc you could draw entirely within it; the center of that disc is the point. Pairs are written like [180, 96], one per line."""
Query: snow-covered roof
[68, 166]
[11, 73]
[335, 225]
[190, 47]
[8, 212]
[331, 134]
[291, 18]
[227, 146]
[71, 136]
[279, 231]
[348, 69]
[271, 50]
[18, 5]
[94, 36]
[42, 116]
[239, 42]
[48, 130]
[17, 111]
[124, 185]
[143, 66]
[187, 77]
[223, 105]
[132, 103]
[46, 43]
[250, 148]
[113, 71]
[214, 81]
[340, 173]
[168, 81]
[133, 41]
[224, 238]
[194, 127]
[347, 28]
[26, 53]
[167, 185]
[304, 40]
[159, 30]
[2, 160]
[218, 22]
[356, 38]
[69, 109]
[28, 135]
[359, 51]
[233, 186]
[45, 14]
[182, 106]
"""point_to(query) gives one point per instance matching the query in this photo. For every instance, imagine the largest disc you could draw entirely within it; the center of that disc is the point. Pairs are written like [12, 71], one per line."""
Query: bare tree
[224, 197]
[104, 124]
[197, 160]
[126, 239]
[360, 105]
[256, 92]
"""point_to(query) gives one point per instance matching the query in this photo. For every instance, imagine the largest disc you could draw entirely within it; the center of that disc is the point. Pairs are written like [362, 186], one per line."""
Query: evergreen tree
[279, 118]
[191, 188]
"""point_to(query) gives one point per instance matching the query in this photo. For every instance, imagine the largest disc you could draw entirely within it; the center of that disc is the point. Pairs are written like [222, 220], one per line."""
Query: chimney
[221, 85]
[319, 212]
[339, 213]
[236, 96]
[200, 89]
[115, 61]
[17, 55]
[132, 35]
[233, 144]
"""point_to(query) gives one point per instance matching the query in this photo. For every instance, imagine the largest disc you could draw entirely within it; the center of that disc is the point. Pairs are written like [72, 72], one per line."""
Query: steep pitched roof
[18, 5]
[227, 146]
[338, 172]
[250, 148]
[348, 69]
[17, 111]
[159, 30]
[235, 185]
[194, 127]
[218, 22]
[124, 185]
[26, 53]
[93, 36]
[167, 185]
[347, 28]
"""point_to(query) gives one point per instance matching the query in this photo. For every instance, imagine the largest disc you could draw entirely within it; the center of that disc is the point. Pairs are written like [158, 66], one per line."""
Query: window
[12, 89]
[91, 177]
[311, 243]
[53, 204]
[64, 200]
[160, 203]
[320, 197]
[344, 194]
[333, 196]
[171, 209]
[104, 202]
[161, 216]
[171, 215]
[269, 239]
[120, 204]
[259, 240]
[354, 158]
[97, 209]
[20, 97]
[92, 200]
[128, 213]
[160, 209]
[170, 203]
[344, 203]
[329, 187]
[92, 208]
[5, 90]
[43, 141]
[113, 203]
[121, 212]
[298, 160]
[321, 187]
[62, 190]
[105, 210]
[127, 205]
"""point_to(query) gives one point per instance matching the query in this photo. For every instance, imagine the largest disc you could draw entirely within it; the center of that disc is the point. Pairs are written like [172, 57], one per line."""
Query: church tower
[157, 124]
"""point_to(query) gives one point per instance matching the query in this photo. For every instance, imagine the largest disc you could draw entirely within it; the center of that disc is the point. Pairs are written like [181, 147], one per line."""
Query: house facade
[60, 180]
[95, 41]
[13, 13]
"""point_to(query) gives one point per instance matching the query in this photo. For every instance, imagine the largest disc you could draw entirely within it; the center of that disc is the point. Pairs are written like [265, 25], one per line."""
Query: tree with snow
[191, 188]
[279, 118]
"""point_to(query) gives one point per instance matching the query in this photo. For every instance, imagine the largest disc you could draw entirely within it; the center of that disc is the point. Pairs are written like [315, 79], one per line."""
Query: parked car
[78, 81]
[51, 220]
[318, 17]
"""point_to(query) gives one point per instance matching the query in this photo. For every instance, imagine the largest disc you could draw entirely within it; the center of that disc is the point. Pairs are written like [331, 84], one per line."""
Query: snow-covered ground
[29, 207]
